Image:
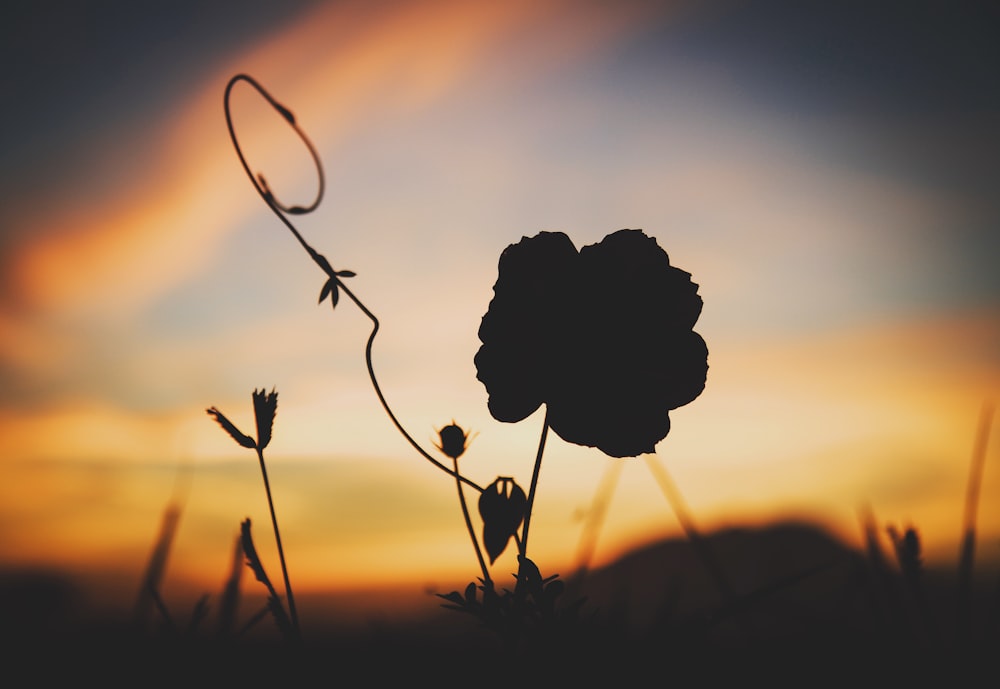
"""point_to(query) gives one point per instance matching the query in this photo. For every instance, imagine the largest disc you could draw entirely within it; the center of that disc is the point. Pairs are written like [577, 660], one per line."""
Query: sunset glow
[851, 310]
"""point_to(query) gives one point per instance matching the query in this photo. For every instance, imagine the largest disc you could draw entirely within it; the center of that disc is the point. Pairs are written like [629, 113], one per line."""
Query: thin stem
[523, 545]
[385, 405]
[279, 210]
[258, 181]
[468, 524]
[281, 552]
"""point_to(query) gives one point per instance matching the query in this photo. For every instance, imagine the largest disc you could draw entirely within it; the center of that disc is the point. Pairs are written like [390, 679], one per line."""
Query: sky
[825, 171]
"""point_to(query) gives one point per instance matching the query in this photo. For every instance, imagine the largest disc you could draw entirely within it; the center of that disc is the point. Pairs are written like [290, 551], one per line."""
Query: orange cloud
[83, 431]
[337, 67]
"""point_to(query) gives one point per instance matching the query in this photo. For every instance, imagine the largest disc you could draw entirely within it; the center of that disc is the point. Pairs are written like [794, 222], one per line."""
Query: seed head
[453, 440]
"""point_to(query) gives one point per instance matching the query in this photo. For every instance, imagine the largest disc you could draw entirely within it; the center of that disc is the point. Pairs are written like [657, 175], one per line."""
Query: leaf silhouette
[253, 560]
[455, 597]
[233, 431]
[329, 287]
[280, 616]
[254, 563]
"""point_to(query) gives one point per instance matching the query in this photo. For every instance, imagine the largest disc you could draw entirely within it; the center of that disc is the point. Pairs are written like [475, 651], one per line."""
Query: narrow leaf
[273, 601]
[281, 617]
[328, 287]
[253, 560]
[455, 597]
[233, 431]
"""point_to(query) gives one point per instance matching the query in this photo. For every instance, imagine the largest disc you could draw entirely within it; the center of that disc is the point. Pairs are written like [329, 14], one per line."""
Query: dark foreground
[792, 606]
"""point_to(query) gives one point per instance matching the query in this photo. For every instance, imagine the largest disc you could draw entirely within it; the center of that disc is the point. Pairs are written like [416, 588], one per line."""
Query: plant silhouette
[603, 337]
[333, 285]
[265, 405]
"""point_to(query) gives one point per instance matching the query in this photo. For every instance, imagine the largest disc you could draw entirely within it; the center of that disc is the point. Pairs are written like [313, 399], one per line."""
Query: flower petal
[265, 404]
[535, 277]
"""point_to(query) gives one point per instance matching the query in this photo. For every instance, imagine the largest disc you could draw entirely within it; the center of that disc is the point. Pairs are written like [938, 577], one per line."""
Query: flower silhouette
[265, 404]
[604, 337]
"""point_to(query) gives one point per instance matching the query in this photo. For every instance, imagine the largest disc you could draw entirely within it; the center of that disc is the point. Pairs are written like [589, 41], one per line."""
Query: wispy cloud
[339, 66]
[449, 129]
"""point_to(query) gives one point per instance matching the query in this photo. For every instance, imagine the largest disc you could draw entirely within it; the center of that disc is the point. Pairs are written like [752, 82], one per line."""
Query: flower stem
[281, 552]
[534, 484]
[381, 398]
[468, 524]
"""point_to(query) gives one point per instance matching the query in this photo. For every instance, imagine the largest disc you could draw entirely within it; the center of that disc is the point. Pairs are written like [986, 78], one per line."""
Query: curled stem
[258, 181]
[282, 211]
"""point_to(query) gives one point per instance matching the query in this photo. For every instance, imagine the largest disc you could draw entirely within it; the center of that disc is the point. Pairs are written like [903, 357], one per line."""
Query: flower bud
[452, 440]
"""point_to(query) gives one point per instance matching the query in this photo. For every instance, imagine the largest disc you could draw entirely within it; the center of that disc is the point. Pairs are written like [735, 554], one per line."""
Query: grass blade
[156, 566]
[967, 555]
[231, 593]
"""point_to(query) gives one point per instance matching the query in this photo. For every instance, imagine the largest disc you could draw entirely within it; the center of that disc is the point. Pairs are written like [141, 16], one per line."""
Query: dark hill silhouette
[800, 598]
[788, 578]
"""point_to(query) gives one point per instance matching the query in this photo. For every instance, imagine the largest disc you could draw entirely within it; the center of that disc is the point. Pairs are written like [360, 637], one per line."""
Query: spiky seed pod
[453, 440]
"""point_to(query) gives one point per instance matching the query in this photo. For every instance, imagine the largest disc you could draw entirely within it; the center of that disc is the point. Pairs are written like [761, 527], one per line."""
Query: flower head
[265, 405]
[604, 337]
